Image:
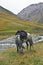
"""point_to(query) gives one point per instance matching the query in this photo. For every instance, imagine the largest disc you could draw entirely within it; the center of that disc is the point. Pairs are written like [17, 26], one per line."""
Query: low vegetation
[11, 57]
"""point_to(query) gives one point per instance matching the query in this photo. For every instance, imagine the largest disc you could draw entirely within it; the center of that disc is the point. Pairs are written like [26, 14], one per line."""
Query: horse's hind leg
[30, 47]
[31, 43]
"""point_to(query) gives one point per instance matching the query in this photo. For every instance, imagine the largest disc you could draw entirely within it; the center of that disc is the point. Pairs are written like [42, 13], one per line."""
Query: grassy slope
[10, 24]
[11, 57]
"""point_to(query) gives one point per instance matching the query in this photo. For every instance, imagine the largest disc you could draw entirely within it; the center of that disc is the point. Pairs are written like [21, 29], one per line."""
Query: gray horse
[21, 37]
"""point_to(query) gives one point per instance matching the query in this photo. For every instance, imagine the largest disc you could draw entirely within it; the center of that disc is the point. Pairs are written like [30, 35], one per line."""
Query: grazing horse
[21, 37]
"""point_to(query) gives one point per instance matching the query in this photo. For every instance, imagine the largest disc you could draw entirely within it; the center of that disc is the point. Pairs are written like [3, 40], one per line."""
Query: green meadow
[8, 27]
[33, 57]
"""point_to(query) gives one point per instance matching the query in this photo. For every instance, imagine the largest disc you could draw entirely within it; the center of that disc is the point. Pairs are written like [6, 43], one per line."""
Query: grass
[10, 24]
[11, 57]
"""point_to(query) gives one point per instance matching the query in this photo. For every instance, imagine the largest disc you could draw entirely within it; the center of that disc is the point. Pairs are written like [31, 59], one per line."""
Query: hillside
[3, 10]
[10, 24]
[34, 13]
[11, 57]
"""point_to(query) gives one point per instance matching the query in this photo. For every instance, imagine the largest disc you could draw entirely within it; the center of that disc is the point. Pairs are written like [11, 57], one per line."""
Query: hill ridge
[33, 12]
[4, 10]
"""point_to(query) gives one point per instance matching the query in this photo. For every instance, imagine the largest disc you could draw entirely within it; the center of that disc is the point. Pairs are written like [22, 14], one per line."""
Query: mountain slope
[10, 24]
[3, 10]
[33, 12]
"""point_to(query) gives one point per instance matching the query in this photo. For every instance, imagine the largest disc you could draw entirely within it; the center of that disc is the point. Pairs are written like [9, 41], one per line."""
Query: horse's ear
[17, 32]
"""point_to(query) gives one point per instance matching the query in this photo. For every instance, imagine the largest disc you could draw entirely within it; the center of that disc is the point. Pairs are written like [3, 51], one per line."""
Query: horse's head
[19, 43]
[21, 49]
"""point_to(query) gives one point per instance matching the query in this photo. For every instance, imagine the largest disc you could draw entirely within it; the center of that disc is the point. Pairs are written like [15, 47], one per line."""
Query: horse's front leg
[27, 44]
[17, 48]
